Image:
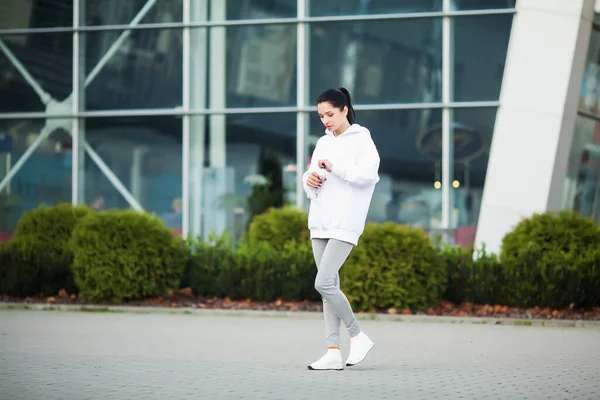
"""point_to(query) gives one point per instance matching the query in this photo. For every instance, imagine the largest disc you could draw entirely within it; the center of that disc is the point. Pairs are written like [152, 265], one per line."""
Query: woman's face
[331, 116]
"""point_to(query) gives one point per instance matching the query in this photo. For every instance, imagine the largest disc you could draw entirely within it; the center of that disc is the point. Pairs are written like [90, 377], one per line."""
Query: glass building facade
[582, 185]
[171, 106]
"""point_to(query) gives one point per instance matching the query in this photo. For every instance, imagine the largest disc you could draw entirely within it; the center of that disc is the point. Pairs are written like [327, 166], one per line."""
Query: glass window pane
[260, 66]
[22, 14]
[481, 4]
[472, 130]
[45, 177]
[364, 7]
[590, 87]
[46, 59]
[256, 9]
[144, 153]
[244, 151]
[480, 45]
[145, 71]
[582, 185]
[119, 12]
[394, 61]
[409, 168]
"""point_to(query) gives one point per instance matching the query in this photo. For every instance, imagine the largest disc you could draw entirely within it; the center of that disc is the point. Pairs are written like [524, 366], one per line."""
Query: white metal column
[79, 66]
[136, 183]
[75, 106]
[196, 93]
[185, 127]
[447, 139]
[218, 89]
[302, 92]
[218, 178]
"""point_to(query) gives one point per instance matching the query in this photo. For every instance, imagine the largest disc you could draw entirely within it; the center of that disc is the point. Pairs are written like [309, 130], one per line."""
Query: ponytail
[351, 115]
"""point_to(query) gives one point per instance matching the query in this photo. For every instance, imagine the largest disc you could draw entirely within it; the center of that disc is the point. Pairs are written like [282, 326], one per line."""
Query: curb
[300, 314]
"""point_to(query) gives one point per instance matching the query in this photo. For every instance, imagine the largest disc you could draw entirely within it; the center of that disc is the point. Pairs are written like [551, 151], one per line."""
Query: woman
[340, 183]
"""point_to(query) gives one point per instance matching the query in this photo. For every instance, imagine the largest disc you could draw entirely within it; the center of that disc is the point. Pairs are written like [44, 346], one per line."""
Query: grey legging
[330, 255]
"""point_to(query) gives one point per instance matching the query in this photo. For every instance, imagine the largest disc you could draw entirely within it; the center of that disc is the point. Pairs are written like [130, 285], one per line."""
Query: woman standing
[340, 183]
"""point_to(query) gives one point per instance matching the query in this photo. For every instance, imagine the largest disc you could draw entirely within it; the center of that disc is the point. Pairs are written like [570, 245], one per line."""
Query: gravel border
[299, 314]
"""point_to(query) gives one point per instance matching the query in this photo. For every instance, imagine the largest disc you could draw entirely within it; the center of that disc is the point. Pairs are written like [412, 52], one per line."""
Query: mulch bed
[185, 298]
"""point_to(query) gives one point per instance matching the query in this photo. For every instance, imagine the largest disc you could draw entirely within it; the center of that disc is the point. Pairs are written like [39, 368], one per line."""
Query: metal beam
[44, 133]
[261, 21]
[44, 96]
[112, 177]
[115, 46]
[177, 111]
[73, 129]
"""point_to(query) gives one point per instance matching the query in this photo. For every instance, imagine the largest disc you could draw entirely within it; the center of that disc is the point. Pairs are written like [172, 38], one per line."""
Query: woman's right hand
[314, 180]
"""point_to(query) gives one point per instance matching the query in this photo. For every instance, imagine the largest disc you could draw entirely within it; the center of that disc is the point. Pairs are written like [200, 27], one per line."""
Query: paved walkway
[74, 355]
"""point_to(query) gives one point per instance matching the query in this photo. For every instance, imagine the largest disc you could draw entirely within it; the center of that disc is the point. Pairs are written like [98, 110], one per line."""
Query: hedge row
[550, 259]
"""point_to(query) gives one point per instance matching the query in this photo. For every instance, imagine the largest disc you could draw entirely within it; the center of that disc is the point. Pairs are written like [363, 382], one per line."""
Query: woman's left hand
[325, 164]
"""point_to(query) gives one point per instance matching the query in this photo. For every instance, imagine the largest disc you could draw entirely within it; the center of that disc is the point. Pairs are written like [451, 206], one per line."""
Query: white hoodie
[338, 209]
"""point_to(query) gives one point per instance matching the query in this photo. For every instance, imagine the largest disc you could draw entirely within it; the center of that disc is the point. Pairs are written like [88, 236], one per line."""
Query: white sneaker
[360, 346]
[331, 360]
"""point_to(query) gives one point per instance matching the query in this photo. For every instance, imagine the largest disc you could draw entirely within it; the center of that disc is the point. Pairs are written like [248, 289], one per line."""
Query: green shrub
[40, 253]
[393, 266]
[473, 276]
[552, 259]
[268, 274]
[6, 281]
[121, 255]
[259, 272]
[278, 226]
[206, 262]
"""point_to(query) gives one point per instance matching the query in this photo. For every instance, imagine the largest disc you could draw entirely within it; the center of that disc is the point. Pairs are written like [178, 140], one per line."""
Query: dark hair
[339, 98]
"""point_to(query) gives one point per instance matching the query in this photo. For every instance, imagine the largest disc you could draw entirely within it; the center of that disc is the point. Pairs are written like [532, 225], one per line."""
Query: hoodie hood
[352, 129]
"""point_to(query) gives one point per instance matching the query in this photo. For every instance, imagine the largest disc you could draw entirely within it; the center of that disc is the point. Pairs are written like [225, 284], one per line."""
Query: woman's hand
[325, 164]
[314, 180]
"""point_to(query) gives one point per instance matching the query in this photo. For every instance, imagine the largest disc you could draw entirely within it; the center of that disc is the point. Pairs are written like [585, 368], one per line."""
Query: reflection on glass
[472, 131]
[144, 153]
[257, 9]
[364, 7]
[480, 45]
[47, 61]
[45, 177]
[590, 87]
[394, 61]
[119, 12]
[481, 4]
[582, 185]
[145, 71]
[252, 167]
[410, 164]
[22, 14]
[261, 65]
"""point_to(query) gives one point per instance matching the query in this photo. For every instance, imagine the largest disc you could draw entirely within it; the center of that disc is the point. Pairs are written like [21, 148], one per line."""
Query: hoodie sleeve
[365, 170]
[311, 192]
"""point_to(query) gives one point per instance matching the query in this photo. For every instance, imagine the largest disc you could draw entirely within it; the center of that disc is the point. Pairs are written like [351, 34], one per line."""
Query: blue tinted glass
[389, 61]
